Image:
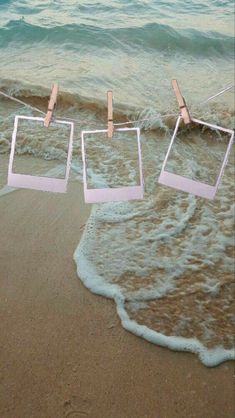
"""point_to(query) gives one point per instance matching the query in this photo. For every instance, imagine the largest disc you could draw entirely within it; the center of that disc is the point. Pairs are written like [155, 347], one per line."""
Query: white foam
[96, 283]
[127, 241]
[209, 357]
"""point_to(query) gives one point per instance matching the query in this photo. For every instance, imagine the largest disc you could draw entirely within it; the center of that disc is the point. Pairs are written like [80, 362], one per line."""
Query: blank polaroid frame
[48, 184]
[112, 194]
[191, 186]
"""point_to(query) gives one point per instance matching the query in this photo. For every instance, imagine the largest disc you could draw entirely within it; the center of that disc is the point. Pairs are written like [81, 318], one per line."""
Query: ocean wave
[153, 36]
[69, 104]
[37, 95]
[88, 113]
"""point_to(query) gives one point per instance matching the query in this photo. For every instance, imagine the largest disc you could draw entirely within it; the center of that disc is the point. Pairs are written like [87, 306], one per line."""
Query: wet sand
[63, 351]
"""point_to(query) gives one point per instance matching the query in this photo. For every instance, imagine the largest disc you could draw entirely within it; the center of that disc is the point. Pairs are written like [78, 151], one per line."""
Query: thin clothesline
[121, 123]
[214, 96]
[21, 102]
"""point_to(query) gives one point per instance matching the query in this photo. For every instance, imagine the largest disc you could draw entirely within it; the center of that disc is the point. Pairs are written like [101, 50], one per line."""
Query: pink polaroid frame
[26, 181]
[191, 186]
[112, 194]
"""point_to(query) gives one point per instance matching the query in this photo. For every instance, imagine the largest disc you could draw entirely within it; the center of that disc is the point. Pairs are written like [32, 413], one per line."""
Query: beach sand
[63, 351]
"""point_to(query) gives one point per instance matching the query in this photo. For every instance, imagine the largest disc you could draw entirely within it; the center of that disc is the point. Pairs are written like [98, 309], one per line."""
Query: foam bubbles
[167, 262]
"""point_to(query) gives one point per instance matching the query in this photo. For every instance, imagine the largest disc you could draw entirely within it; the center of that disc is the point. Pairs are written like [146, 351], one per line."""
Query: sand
[63, 351]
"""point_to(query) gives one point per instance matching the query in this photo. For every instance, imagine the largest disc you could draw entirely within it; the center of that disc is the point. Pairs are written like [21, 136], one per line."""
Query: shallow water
[167, 260]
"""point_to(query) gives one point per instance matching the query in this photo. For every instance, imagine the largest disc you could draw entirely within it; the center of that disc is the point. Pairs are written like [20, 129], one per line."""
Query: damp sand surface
[63, 350]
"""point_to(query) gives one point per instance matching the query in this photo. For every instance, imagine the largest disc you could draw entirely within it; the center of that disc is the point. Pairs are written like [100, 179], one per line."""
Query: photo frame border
[185, 184]
[48, 184]
[101, 195]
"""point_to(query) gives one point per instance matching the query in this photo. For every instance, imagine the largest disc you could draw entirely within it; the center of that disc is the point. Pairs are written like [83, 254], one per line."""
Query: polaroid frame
[191, 186]
[112, 194]
[48, 184]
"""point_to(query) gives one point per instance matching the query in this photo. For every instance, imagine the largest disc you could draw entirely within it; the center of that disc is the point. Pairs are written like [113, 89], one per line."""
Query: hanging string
[121, 123]
[214, 96]
[21, 102]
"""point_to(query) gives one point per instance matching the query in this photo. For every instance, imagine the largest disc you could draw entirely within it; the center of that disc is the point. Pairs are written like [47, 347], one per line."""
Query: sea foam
[167, 261]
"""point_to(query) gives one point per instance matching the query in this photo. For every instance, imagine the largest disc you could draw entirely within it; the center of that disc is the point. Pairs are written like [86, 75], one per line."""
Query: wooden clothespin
[182, 104]
[110, 113]
[51, 105]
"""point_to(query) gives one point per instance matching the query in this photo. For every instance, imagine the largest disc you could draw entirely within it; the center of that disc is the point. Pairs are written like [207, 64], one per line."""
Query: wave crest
[154, 36]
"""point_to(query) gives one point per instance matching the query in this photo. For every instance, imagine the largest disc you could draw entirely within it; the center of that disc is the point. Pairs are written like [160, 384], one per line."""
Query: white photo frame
[118, 193]
[191, 186]
[48, 184]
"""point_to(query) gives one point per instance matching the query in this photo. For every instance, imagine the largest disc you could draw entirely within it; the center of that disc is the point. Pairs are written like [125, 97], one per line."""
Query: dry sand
[63, 351]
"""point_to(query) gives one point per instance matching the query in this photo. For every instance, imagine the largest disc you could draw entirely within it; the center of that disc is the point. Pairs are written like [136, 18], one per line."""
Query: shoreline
[63, 349]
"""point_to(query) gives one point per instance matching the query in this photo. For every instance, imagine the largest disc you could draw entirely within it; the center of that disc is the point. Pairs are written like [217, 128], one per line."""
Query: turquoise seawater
[167, 260]
[134, 47]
